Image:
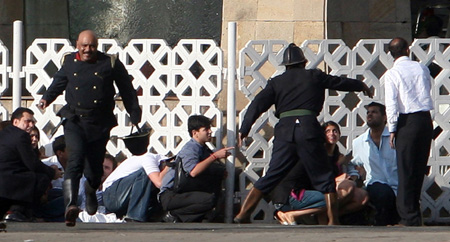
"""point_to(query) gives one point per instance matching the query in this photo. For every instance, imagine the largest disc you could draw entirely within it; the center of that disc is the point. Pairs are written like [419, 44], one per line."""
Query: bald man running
[87, 76]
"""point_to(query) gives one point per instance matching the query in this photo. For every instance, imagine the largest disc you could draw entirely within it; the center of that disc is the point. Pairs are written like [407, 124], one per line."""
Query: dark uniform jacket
[90, 90]
[296, 88]
[19, 165]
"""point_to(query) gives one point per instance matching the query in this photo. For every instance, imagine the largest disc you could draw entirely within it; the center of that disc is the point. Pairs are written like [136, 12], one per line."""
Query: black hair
[332, 123]
[195, 122]
[398, 47]
[113, 160]
[18, 113]
[379, 105]
[59, 144]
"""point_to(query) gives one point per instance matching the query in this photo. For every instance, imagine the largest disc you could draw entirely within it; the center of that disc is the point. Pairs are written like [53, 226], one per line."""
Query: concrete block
[238, 10]
[275, 30]
[275, 10]
[382, 11]
[309, 10]
[308, 31]
[334, 30]
[352, 32]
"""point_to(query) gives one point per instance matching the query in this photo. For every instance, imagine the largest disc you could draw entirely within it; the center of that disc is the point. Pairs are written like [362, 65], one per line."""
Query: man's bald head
[87, 45]
[398, 47]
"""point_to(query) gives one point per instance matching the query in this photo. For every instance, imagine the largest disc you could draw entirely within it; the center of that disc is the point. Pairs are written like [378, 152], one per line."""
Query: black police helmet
[293, 55]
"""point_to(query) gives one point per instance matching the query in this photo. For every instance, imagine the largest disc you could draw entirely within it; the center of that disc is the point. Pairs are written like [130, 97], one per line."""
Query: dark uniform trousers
[413, 142]
[188, 206]
[85, 154]
[305, 145]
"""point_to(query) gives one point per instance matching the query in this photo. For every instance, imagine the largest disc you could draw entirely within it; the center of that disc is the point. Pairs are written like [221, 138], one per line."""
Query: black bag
[209, 181]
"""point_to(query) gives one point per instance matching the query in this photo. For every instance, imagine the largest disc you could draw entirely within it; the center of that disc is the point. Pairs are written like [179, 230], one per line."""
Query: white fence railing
[173, 83]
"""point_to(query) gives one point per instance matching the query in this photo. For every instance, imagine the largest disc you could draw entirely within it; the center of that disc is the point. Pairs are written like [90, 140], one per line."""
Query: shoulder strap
[64, 57]
[113, 59]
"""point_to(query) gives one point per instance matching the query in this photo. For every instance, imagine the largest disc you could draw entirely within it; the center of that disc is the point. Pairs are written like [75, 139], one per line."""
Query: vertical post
[231, 121]
[17, 64]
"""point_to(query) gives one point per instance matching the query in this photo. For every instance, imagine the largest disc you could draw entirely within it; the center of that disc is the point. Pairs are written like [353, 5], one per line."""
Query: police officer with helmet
[87, 76]
[298, 95]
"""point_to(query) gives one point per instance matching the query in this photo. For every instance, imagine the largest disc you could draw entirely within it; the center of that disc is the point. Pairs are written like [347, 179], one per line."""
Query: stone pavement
[206, 232]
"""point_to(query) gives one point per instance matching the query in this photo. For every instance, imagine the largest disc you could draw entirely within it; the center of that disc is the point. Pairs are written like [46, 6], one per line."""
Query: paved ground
[58, 232]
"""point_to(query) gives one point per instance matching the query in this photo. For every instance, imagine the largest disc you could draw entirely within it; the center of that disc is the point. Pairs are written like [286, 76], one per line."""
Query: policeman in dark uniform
[298, 95]
[87, 76]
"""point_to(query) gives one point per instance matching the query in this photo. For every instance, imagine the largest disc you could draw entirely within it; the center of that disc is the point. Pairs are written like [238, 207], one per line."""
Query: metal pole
[17, 64]
[231, 121]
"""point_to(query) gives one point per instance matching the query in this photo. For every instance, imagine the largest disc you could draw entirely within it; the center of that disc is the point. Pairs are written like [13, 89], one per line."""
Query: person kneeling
[128, 189]
[204, 178]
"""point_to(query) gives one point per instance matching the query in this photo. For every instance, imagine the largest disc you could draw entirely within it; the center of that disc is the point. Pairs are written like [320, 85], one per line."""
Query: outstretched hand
[43, 104]
[366, 90]
[223, 153]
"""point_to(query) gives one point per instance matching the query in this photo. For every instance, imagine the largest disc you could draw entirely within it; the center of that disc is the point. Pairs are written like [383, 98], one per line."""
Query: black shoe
[17, 217]
[169, 218]
[91, 199]
[2, 226]
[71, 215]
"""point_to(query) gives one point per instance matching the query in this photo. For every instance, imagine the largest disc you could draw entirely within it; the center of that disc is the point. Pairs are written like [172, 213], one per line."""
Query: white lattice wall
[367, 61]
[175, 83]
[4, 76]
[172, 84]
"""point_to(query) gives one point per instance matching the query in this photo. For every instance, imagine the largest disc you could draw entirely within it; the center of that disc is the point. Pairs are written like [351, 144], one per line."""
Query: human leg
[93, 171]
[313, 155]
[283, 159]
[188, 206]
[413, 141]
[76, 149]
[382, 197]
[129, 196]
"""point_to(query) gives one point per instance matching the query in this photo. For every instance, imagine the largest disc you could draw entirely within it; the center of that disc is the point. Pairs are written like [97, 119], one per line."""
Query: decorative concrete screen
[172, 84]
[367, 61]
[4, 78]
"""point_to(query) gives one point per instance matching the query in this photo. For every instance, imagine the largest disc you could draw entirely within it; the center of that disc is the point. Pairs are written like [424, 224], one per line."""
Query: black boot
[91, 199]
[70, 200]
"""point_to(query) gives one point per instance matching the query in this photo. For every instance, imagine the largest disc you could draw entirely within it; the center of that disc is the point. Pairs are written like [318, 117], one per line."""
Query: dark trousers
[413, 142]
[41, 185]
[86, 152]
[130, 196]
[310, 151]
[383, 198]
[188, 206]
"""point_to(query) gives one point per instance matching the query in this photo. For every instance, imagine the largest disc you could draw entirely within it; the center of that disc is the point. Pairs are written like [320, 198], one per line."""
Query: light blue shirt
[380, 163]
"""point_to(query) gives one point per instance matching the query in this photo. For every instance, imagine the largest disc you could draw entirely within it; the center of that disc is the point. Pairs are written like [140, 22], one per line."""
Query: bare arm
[204, 164]
[156, 177]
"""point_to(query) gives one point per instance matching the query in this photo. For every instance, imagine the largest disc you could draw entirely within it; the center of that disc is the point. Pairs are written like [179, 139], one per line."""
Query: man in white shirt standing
[372, 151]
[408, 105]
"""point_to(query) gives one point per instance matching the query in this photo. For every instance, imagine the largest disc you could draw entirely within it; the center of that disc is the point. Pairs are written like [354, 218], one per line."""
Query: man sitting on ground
[23, 176]
[372, 151]
[197, 160]
[128, 190]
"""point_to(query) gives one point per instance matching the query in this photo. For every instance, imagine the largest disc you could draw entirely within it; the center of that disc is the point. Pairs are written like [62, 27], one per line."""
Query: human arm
[204, 164]
[343, 83]
[58, 85]
[261, 103]
[391, 102]
[156, 177]
[127, 91]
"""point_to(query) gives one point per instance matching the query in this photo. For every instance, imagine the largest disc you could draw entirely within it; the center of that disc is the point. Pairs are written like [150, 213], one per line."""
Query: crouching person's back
[190, 202]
